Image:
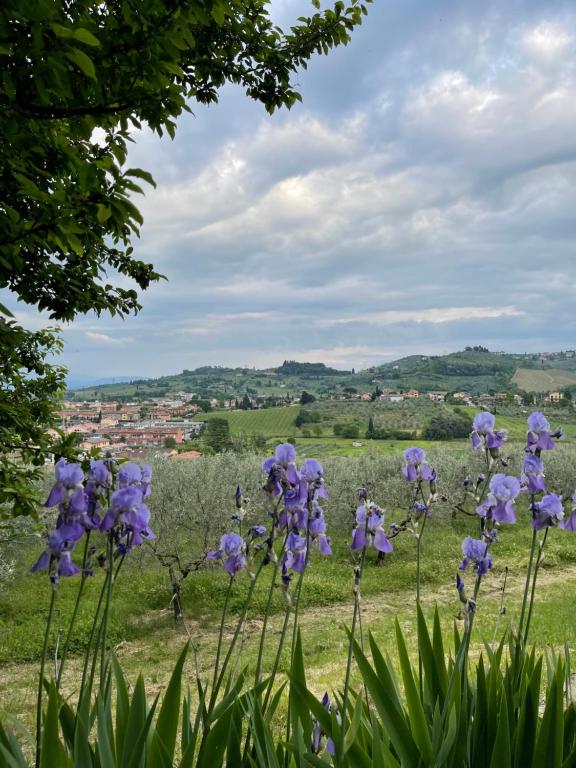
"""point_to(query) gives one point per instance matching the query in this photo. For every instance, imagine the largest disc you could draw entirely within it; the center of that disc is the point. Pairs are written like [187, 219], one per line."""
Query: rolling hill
[474, 370]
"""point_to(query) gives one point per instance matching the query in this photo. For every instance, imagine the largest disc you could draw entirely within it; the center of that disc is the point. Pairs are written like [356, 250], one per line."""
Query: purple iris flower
[416, 467]
[123, 501]
[483, 432]
[284, 457]
[281, 466]
[296, 496]
[475, 554]
[56, 557]
[318, 734]
[312, 472]
[257, 531]
[548, 511]
[130, 516]
[369, 530]
[99, 473]
[69, 479]
[295, 553]
[146, 482]
[539, 437]
[132, 475]
[570, 524]
[499, 505]
[421, 509]
[99, 481]
[317, 528]
[129, 474]
[532, 478]
[80, 511]
[231, 550]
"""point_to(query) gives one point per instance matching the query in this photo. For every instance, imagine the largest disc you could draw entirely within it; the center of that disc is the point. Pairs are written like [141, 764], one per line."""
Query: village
[166, 424]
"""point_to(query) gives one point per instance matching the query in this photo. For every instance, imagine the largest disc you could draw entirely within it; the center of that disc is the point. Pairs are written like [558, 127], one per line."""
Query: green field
[277, 424]
[549, 380]
[273, 422]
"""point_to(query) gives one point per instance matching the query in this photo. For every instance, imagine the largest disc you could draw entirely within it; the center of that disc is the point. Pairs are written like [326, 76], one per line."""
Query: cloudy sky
[421, 198]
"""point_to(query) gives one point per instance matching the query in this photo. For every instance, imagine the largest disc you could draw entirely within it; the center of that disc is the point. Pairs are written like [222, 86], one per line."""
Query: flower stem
[460, 663]
[75, 611]
[92, 636]
[294, 632]
[357, 581]
[220, 634]
[274, 560]
[41, 679]
[228, 656]
[277, 657]
[539, 562]
[418, 548]
[96, 634]
[104, 632]
[527, 585]
[264, 626]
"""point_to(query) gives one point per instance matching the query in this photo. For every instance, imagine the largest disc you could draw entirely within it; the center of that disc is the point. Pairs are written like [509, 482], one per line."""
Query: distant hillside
[474, 370]
[292, 368]
[79, 382]
[470, 371]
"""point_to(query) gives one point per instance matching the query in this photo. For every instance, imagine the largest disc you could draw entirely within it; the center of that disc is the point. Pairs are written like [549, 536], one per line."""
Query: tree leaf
[82, 61]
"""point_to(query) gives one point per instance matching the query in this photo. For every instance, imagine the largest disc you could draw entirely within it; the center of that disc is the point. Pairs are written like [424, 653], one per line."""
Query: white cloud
[547, 39]
[424, 183]
[435, 316]
[106, 340]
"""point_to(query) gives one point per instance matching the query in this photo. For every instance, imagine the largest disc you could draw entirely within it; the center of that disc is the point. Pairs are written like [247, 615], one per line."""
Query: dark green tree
[306, 397]
[29, 391]
[370, 430]
[216, 435]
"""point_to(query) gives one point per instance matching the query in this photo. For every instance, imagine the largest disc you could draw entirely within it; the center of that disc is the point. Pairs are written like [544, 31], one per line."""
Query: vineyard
[272, 422]
[280, 422]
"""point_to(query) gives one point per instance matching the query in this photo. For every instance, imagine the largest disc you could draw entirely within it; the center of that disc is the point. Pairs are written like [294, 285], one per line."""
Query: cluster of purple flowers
[549, 510]
[296, 495]
[300, 492]
[79, 498]
[301, 516]
[499, 505]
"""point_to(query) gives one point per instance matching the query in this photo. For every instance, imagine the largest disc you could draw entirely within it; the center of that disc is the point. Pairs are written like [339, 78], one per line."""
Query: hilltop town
[137, 417]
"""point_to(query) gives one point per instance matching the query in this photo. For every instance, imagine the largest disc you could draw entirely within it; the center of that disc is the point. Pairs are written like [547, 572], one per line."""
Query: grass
[143, 631]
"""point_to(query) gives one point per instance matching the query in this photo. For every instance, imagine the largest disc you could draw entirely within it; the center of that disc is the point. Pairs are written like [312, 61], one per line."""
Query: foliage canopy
[78, 79]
